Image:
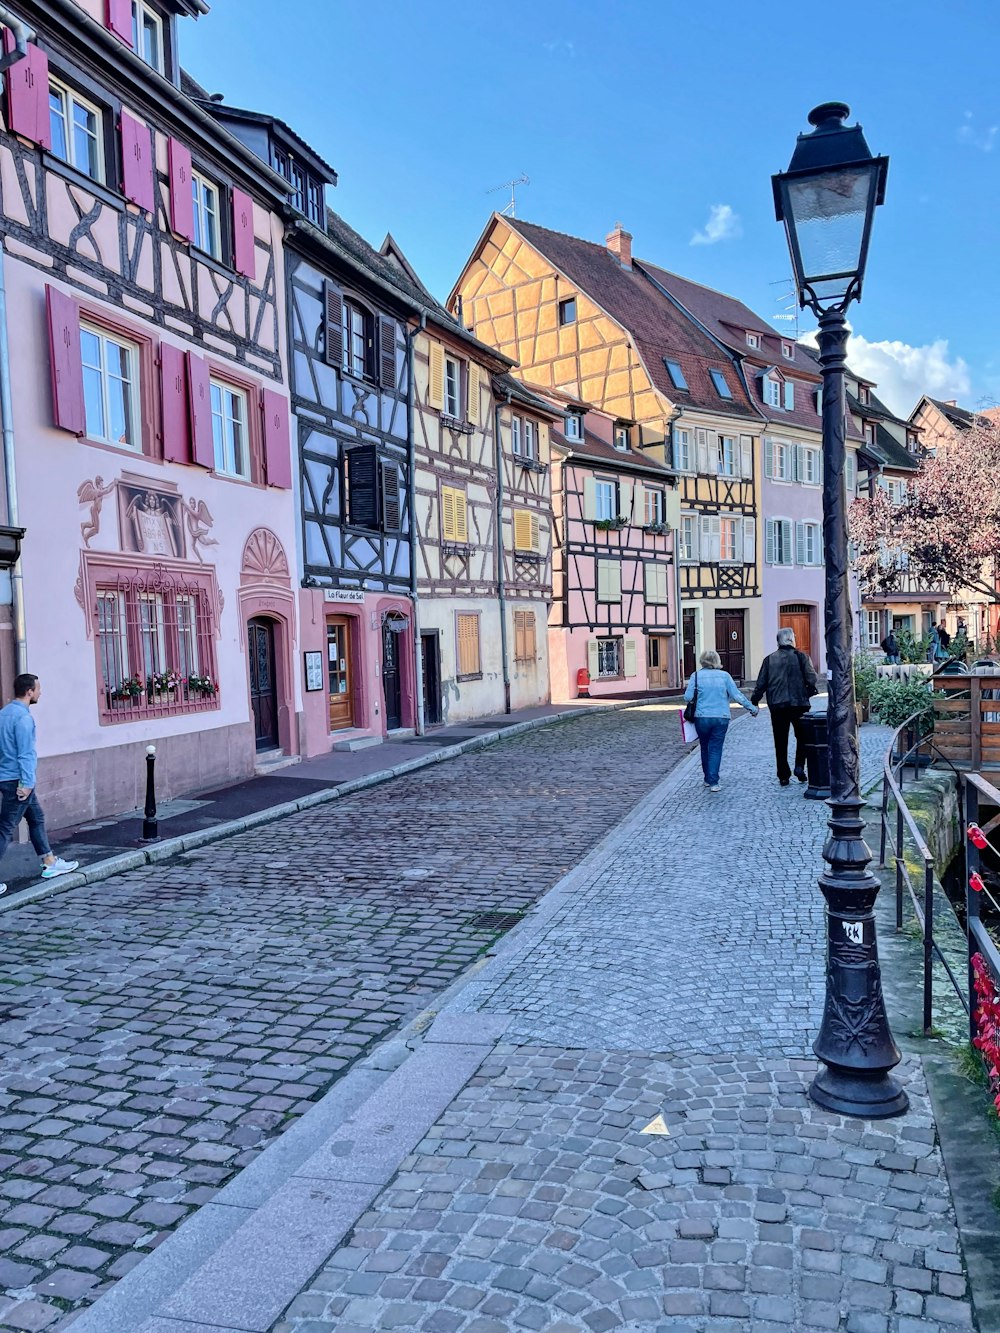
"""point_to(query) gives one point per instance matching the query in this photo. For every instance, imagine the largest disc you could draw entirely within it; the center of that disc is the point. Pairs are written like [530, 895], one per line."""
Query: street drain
[495, 920]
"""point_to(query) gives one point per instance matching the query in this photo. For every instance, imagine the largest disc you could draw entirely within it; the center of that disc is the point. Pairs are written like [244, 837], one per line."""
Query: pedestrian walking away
[788, 679]
[944, 642]
[712, 690]
[890, 646]
[933, 644]
[18, 763]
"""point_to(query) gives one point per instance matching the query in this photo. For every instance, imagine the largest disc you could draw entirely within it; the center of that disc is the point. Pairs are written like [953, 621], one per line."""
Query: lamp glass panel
[830, 214]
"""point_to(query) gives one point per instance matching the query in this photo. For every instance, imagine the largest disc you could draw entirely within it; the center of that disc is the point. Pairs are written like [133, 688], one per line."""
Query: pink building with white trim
[149, 433]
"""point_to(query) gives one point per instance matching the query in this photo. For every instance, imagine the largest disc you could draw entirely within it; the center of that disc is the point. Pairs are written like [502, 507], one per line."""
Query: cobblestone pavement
[159, 1029]
[681, 979]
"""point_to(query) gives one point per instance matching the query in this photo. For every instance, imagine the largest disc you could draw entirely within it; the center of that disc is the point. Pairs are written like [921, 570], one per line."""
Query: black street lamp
[827, 199]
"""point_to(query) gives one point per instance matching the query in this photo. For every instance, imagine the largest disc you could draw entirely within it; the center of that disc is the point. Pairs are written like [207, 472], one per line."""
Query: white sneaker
[716, 787]
[3, 890]
[59, 867]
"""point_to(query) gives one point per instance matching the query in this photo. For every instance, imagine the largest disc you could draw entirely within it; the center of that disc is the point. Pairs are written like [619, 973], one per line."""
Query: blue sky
[654, 113]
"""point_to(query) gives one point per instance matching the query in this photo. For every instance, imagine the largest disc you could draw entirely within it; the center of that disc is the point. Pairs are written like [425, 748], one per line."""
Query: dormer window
[147, 35]
[574, 427]
[307, 192]
[788, 351]
[864, 394]
[753, 340]
[772, 392]
[622, 438]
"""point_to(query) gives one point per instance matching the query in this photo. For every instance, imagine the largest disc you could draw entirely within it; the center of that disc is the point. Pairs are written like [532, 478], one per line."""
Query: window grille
[609, 657]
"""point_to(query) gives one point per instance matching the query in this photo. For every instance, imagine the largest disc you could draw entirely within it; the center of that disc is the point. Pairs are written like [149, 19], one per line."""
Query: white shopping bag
[688, 733]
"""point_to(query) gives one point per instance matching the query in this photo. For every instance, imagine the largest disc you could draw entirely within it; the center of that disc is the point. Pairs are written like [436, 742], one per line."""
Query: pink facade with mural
[614, 605]
[151, 434]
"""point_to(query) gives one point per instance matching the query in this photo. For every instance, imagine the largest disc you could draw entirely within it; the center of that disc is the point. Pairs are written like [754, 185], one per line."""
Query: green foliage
[893, 701]
[865, 676]
[911, 649]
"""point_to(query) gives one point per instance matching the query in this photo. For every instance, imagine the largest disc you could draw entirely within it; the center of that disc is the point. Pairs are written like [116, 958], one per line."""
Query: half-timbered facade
[582, 319]
[612, 627]
[483, 521]
[143, 285]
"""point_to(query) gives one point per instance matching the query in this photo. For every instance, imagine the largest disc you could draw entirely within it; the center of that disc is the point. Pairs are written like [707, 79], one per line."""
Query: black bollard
[150, 829]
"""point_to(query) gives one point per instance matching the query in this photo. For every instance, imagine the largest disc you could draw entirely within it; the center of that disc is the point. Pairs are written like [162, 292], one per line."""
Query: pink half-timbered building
[614, 593]
[147, 446]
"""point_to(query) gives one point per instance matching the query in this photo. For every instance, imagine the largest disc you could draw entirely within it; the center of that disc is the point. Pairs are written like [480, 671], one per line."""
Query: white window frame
[688, 537]
[70, 100]
[873, 629]
[224, 396]
[729, 551]
[453, 387]
[653, 505]
[785, 527]
[726, 461]
[605, 499]
[622, 439]
[809, 544]
[529, 438]
[682, 449]
[788, 351]
[605, 649]
[206, 198]
[131, 388]
[152, 633]
[810, 464]
[187, 635]
[516, 427]
[141, 14]
[772, 391]
[573, 428]
[112, 638]
[753, 339]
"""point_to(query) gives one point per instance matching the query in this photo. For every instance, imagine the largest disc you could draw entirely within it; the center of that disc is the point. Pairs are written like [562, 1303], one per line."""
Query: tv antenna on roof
[790, 313]
[510, 209]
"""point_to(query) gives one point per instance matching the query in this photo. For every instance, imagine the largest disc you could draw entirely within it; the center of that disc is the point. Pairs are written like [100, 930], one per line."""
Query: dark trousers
[12, 811]
[712, 737]
[781, 720]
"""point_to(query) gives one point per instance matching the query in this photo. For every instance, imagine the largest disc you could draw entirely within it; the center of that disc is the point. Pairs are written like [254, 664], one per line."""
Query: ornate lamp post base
[853, 1092]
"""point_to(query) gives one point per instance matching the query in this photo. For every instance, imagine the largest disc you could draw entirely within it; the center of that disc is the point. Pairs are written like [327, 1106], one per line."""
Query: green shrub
[893, 701]
[911, 649]
[865, 676]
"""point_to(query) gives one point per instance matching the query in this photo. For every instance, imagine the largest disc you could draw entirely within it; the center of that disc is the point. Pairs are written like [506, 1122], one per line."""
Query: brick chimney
[620, 245]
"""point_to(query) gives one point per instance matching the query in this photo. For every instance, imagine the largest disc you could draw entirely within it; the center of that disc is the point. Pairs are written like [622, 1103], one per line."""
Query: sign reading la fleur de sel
[343, 595]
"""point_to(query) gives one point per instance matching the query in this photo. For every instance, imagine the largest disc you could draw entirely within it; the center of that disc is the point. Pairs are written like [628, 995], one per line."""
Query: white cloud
[983, 139]
[903, 372]
[723, 225]
[562, 46]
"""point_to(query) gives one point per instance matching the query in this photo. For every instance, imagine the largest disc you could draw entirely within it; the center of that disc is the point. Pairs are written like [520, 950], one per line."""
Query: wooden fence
[967, 720]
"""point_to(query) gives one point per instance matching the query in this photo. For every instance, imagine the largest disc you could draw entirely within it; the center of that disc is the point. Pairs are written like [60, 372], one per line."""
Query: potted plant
[162, 684]
[127, 691]
[610, 524]
[865, 676]
[201, 685]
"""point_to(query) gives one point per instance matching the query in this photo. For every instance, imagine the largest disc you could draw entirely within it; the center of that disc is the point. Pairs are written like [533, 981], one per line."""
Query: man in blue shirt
[18, 762]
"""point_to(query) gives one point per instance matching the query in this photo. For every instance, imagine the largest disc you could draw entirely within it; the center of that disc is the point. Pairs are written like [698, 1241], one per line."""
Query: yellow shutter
[435, 386]
[467, 635]
[461, 518]
[519, 636]
[535, 546]
[472, 409]
[530, 645]
[522, 530]
[447, 514]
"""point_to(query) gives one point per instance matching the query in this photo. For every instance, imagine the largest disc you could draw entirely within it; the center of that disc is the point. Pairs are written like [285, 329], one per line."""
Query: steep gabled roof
[886, 452]
[592, 449]
[224, 112]
[659, 330]
[958, 416]
[874, 409]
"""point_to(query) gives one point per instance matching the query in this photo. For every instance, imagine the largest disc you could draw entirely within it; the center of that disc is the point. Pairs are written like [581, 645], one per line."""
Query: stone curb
[137, 1302]
[162, 851]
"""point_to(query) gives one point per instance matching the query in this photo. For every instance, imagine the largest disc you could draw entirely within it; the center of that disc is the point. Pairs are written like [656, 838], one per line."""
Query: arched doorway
[263, 682]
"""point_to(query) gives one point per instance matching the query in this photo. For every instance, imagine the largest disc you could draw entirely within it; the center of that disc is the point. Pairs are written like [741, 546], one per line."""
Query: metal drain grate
[495, 920]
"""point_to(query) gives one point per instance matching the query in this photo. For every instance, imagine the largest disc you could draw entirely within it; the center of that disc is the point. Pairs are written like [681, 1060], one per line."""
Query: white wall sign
[343, 595]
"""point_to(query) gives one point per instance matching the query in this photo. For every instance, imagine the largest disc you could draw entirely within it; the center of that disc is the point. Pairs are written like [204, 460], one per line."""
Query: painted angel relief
[153, 519]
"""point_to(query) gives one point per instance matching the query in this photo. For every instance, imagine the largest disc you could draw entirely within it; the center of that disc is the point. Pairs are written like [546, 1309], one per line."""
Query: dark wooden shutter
[174, 399]
[200, 403]
[387, 353]
[137, 162]
[181, 198]
[277, 440]
[361, 467]
[28, 93]
[120, 19]
[244, 246]
[391, 510]
[69, 410]
[334, 326]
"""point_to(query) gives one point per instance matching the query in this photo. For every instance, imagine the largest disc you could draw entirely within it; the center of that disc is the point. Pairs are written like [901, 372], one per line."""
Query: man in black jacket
[789, 681]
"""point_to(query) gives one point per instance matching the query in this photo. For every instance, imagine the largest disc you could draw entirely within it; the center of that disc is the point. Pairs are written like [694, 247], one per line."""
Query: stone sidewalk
[679, 974]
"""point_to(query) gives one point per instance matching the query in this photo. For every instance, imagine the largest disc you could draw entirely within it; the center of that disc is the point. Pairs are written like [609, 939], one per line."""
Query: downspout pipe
[501, 579]
[21, 34]
[411, 489]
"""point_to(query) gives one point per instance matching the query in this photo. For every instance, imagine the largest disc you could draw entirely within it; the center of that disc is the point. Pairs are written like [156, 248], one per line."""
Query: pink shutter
[200, 402]
[120, 19]
[277, 441]
[28, 93]
[181, 199]
[67, 363]
[174, 401]
[137, 162]
[244, 249]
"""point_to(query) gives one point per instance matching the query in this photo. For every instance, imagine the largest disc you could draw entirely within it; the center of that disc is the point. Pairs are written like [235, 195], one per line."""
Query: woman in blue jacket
[715, 689]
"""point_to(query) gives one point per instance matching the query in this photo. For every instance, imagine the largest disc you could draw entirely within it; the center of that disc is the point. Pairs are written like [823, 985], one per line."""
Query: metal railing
[922, 898]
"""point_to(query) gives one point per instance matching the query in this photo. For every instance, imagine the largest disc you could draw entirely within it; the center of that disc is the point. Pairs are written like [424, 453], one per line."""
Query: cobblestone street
[677, 975]
[159, 1029]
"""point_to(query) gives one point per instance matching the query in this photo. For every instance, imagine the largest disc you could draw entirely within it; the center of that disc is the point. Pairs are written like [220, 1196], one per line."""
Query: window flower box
[656, 529]
[611, 524]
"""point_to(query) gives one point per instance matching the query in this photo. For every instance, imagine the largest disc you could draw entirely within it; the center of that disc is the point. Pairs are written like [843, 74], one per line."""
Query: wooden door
[798, 619]
[263, 686]
[430, 657]
[658, 661]
[391, 689]
[338, 656]
[729, 630]
[690, 644]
